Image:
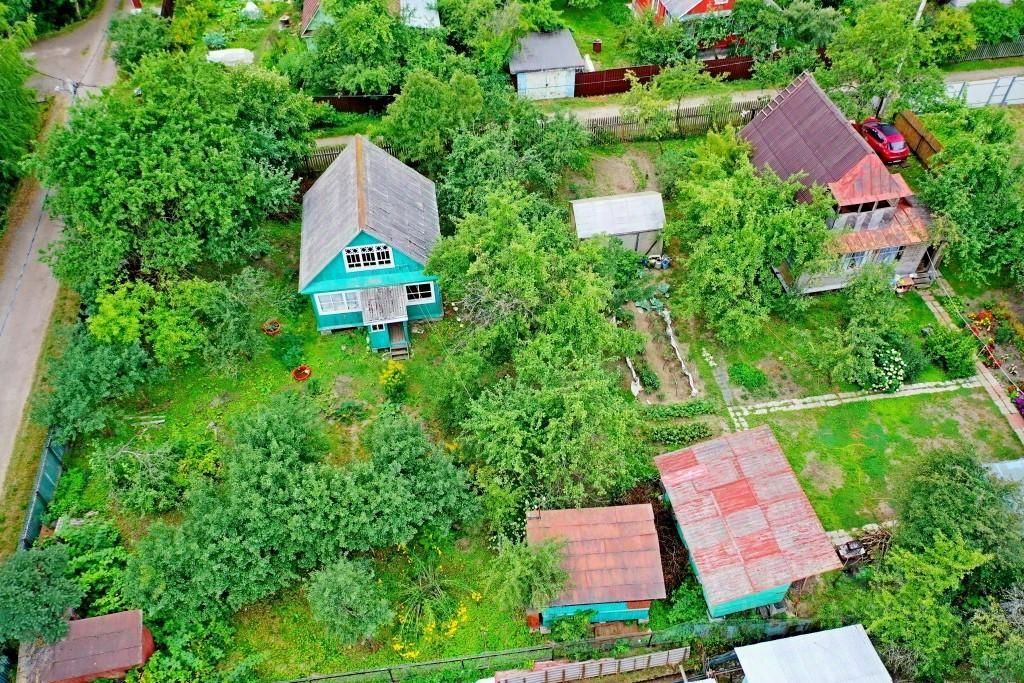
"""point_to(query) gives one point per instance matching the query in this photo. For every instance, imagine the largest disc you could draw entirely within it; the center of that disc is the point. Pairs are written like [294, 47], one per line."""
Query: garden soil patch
[659, 355]
[631, 172]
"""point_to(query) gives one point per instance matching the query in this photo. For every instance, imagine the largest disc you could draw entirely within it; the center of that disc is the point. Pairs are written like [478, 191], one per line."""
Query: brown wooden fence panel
[921, 141]
[356, 104]
[612, 81]
[694, 120]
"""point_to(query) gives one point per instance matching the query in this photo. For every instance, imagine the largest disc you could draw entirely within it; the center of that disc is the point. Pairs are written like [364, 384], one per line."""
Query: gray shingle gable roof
[366, 189]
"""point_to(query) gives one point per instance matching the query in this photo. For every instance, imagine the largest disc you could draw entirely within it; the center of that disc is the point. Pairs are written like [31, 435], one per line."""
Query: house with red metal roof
[682, 10]
[612, 557]
[878, 220]
[99, 647]
[748, 526]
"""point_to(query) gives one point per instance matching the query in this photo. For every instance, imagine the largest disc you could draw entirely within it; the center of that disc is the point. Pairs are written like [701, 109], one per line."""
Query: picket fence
[998, 51]
[694, 120]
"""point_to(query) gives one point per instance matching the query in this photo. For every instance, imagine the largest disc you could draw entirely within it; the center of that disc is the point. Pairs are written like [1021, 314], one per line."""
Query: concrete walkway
[993, 385]
[27, 288]
[739, 414]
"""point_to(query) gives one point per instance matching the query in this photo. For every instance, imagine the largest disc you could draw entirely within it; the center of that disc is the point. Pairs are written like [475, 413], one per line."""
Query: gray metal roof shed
[366, 189]
[840, 655]
[620, 214]
[545, 51]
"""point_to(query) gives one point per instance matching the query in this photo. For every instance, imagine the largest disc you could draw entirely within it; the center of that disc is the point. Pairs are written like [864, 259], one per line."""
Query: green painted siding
[405, 271]
[606, 611]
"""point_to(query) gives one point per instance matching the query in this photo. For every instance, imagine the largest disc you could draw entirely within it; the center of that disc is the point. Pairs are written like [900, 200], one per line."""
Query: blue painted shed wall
[606, 611]
[404, 271]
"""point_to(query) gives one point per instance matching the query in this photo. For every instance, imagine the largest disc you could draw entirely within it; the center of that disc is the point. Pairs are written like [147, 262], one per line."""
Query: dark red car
[887, 142]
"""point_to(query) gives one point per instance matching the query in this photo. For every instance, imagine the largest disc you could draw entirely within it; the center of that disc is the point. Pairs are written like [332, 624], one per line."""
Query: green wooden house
[368, 226]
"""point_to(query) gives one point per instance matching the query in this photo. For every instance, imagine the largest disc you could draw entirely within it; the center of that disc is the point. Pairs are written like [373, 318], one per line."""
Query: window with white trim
[330, 303]
[420, 293]
[370, 256]
[854, 260]
[890, 254]
[377, 327]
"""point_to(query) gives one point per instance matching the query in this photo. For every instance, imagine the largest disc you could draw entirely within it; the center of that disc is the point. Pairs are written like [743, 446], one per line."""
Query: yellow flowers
[476, 597]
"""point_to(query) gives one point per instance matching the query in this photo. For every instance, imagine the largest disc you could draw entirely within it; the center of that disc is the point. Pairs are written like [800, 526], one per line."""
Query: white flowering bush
[889, 371]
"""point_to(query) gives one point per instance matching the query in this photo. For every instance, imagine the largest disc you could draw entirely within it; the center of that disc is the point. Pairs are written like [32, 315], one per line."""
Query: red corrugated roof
[908, 225]
[611, 553]
[744, 518]
[309, 9]
[869, 181]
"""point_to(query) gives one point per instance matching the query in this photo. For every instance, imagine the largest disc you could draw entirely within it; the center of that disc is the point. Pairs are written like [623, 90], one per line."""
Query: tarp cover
[841, 655]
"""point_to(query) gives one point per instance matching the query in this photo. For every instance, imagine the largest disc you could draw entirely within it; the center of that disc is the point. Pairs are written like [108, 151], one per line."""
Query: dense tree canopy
[174, 168]
[36, 595]
[17, 106]
[136, 35]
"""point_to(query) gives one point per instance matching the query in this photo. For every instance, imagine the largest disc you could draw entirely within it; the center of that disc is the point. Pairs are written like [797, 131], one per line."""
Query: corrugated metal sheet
[611, 553]
[908, 225]
[556, 672]
[841, 655]
[623, 214]
[543, 51]
[869, 181]
[309, 10]
[366, 188]
[744, 518]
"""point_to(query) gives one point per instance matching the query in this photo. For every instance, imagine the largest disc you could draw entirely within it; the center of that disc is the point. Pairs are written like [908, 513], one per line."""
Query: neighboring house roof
[384, 305]
[420, 13]
[621, 214]
[309, 10]
[678, 9]
[743, 516]
[366, 189]
[1011, 470]
[543, 51]
[611, 553]
[99, 647]
[908, 225]
[840, 655]
[803, 132]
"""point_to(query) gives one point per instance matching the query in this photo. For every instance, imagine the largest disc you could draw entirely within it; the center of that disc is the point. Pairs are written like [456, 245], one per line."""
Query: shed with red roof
[612, 557]
[98, 647]
[748, 526]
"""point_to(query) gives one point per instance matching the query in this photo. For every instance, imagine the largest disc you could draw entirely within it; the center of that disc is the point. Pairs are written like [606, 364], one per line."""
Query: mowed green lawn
[605, 22]
[851, 458]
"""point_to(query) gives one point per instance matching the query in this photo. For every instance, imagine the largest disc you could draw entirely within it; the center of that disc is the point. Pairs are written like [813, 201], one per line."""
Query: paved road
[27, 289]
[612, 109]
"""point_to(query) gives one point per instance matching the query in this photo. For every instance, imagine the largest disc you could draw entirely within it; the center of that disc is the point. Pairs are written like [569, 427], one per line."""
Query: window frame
[851, 262]
[347, 296]
[897, 254]
[378, 327]
[380, 256]
[425, 300]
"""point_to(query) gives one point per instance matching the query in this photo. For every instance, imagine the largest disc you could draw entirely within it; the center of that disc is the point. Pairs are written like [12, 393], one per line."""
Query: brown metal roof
[309, 10]
[611, 553]
[744, 518]
[803, 132]
[106, 646]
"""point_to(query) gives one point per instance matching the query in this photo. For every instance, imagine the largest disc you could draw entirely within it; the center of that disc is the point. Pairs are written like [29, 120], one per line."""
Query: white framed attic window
[377, 327]
[330, 303]
[420, 293]
[370, 256]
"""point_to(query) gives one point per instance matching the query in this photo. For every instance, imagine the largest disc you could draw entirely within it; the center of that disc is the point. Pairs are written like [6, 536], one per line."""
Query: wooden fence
[921, 141]
[593, 668]
[612, 81]
[1011, 49]
[694, 120]
[316, 162]
[356, 104]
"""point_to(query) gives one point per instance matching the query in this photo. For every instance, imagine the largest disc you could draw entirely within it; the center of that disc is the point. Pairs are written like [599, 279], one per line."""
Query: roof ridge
[360, 183]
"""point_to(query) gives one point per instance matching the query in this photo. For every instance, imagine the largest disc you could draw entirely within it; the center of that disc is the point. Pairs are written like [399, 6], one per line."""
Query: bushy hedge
[679, 435]
[692, 408]
[996, 22]
[954, 350]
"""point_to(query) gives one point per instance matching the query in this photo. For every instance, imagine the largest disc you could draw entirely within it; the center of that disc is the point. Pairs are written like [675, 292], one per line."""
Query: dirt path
[27, 288]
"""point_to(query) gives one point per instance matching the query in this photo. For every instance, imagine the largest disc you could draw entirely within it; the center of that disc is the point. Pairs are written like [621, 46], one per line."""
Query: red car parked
[887, 142]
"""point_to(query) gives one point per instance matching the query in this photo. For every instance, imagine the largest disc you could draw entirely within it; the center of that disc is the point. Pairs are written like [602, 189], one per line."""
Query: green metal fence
[51, 465]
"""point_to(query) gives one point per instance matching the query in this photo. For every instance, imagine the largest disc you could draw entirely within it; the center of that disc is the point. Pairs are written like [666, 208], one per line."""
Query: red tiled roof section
[309, 8]
[745, 520]
[611, 553]
[909, 225]
[869, 181]
[106, 646]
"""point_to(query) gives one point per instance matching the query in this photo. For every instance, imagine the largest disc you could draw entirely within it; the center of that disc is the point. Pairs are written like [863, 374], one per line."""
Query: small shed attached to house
[748, 526]
[637, 219]
[545, 65]
[612, 557]
[839, 655]
[99, 647]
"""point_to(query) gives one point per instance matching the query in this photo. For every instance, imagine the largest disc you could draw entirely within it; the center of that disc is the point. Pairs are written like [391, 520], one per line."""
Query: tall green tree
[345, 598]
[174, 168]
[17, 105]
[36, 594]
[136, 35]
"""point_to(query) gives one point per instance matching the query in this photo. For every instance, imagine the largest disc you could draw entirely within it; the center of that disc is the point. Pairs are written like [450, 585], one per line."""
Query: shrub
[288, 349]
[35, 594]
[67, 498]
[687, 606]
[648, 41]
[671, 167]
[215, 40]
[952, 33]
[572, 627]
[346, 599]
[393, 380]
[953, 350]
[648, 377]
[137, 35]
[697, 406]
[350, 411]
[889, 370]
[524, 576]
[679, 435]
[995, 22]
[914, 359]
[143, 478]
[97, 562]
[747, 376]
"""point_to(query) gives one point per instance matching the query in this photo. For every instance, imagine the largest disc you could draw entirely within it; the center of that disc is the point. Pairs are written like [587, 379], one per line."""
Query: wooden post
[167, 9]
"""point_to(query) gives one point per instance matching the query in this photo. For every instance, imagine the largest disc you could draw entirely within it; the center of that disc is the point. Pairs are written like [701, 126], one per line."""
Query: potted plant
[302, 373]
[272, 327]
